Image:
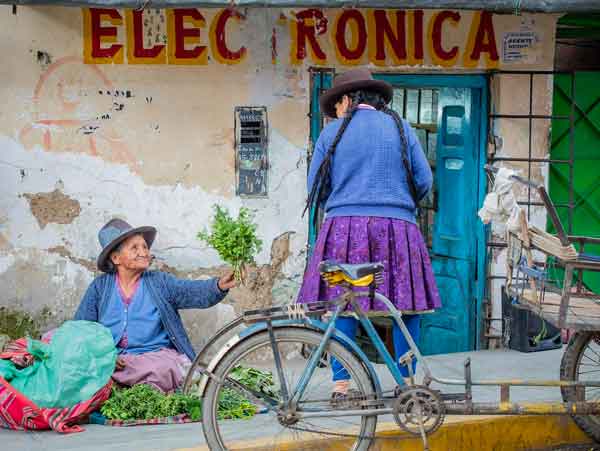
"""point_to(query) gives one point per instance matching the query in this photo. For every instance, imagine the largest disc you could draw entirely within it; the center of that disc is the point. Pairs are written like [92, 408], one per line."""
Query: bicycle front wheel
[251, 363]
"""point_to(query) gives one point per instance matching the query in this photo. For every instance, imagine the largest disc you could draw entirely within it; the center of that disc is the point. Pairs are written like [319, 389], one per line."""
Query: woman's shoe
[345, 400]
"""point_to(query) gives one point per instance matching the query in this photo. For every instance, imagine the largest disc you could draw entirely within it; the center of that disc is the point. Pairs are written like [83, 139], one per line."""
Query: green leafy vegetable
[257, 380]
[232, 405]
[234, 239]
[142, 402]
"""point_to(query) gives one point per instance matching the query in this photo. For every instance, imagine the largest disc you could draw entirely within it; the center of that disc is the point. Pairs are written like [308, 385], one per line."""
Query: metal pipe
[527, 116]
[529, 155]
[520, 382]
[533, 160]
[507, 408]
[344, 413]
[535, 72]
[498, 6]
[571, 157]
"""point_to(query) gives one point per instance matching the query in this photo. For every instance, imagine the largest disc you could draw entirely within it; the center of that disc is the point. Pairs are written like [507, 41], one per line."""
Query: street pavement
[485, 365]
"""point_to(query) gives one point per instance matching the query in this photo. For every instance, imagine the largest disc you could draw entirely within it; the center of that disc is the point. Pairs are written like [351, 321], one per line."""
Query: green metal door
[575, 183]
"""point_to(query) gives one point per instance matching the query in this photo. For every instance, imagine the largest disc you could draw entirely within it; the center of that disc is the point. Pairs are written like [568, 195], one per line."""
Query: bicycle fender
[310, 323]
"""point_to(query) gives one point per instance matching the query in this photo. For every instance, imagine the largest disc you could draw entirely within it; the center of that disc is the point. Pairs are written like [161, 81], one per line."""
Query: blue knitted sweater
[367, 174]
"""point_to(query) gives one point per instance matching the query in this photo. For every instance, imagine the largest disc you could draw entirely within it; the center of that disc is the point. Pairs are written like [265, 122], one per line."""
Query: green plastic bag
[78, 362]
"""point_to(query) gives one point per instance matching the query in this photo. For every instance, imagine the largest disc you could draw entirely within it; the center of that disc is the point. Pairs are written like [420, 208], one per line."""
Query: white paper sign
[516, 45]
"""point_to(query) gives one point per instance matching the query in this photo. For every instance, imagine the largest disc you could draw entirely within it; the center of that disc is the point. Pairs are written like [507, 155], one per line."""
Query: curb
[458, 433]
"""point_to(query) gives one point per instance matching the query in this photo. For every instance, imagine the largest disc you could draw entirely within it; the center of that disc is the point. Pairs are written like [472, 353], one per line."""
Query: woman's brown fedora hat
[349, 81]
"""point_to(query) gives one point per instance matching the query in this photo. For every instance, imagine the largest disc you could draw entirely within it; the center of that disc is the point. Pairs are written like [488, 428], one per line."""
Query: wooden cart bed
[583, 312]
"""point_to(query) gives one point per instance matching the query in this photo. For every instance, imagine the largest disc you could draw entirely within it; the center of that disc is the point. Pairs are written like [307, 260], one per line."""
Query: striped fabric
[19, 413]
[16, 351]
[98, 418]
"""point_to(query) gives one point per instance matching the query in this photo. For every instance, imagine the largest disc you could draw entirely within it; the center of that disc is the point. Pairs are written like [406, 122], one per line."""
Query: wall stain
[43, 58]
[54, 207]
[90, 265]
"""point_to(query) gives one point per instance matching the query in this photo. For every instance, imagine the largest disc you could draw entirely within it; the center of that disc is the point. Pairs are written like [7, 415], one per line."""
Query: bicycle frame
[270, 319]
[504, 407]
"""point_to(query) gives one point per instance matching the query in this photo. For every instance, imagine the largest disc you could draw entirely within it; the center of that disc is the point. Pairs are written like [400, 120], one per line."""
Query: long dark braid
[322, 184]
[404, 149]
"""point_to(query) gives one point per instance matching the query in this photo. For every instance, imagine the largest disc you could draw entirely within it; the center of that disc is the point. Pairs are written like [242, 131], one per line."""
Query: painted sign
[346, 37]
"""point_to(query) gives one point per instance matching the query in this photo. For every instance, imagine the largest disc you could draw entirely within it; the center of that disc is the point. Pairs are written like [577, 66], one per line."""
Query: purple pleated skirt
[408, 277]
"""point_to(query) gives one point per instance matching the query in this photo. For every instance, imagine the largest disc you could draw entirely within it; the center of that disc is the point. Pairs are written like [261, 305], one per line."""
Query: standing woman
[369, 171]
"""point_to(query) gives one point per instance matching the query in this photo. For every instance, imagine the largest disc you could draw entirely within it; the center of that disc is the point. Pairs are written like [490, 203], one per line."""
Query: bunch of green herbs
[234, 239]
[232, 404]
[142, 402]
[254, 379]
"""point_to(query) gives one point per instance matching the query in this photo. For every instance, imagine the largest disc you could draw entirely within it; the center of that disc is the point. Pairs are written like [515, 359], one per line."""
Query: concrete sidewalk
[485, 365]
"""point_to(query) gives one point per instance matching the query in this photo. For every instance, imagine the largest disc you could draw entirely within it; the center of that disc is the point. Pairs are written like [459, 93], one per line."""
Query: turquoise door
[447, 114]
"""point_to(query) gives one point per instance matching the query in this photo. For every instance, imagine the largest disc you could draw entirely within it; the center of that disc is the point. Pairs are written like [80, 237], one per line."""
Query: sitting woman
[140, 307]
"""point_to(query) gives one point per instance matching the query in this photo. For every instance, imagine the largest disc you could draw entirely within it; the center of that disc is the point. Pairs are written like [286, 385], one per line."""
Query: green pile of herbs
[234, 239]
[143, 402]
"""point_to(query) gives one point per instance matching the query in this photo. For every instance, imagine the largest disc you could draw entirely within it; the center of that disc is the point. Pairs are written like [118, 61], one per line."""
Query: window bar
[527, 116]
[541, 204]
[419, 106]
[533, 160]
[572, 156]
[530, 145]
[404, 102]
[492, 246]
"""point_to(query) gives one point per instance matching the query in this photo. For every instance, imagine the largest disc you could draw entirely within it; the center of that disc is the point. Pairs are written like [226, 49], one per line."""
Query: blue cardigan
[168, 293]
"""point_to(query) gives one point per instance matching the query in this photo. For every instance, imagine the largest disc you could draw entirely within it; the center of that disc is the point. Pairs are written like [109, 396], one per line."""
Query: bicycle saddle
[353, 272]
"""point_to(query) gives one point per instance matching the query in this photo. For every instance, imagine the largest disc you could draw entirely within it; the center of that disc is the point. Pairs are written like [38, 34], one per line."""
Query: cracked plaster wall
[80, 144]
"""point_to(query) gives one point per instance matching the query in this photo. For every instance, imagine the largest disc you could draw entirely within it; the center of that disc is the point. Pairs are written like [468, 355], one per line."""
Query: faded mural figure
[73, 106]
[141, 307]
[370, 172]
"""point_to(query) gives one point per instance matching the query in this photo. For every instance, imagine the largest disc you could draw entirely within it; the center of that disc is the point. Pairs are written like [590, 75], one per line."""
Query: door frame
[321, 79]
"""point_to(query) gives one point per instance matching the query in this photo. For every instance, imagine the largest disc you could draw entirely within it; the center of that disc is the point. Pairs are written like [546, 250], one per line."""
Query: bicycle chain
[347, 435]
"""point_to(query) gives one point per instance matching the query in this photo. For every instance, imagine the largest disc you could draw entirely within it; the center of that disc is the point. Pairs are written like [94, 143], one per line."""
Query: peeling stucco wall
[154, 145]
[53, 207]
[80, 144]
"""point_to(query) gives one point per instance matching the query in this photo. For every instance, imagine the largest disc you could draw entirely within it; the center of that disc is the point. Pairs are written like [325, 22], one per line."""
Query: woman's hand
[120, 363]
[227, 281]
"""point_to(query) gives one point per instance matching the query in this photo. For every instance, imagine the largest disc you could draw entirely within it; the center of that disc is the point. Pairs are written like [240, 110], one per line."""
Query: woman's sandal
[345, 400]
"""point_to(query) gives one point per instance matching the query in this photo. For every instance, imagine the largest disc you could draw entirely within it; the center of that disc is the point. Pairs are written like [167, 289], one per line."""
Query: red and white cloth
[19, 413]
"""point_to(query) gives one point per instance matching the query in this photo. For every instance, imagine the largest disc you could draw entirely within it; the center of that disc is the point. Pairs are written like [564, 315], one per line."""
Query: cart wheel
[581, 361]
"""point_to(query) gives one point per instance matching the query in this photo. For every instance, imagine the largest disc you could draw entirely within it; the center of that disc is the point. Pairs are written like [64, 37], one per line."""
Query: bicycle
[295, 400]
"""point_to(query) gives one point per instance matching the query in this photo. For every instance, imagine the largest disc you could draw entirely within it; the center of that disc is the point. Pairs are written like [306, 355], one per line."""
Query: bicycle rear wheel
[266, 428]
[581, 362]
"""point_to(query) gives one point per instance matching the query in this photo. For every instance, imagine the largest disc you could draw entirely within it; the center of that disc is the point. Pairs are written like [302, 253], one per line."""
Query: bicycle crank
[420, 411]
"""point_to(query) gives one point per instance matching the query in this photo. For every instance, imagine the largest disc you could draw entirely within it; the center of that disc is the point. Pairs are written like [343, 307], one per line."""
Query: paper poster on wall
[516, 46]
